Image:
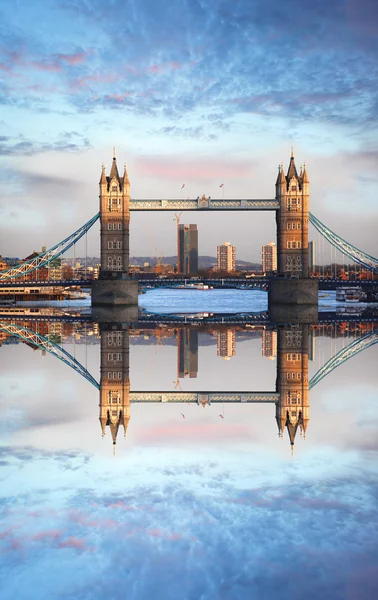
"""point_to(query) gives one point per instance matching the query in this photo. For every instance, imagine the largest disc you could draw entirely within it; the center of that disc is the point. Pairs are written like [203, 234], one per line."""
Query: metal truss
[343, 355]
[358, 256]
[204, 203]
[204, 397]
[45, 258]
[26, 335]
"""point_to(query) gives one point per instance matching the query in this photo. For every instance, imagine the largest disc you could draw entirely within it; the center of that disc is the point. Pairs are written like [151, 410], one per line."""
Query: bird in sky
[183, 416]
[221, 185]
[221, 416]
[183, 185]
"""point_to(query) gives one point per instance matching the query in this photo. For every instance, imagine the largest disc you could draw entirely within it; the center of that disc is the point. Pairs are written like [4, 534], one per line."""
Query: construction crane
[177, 219]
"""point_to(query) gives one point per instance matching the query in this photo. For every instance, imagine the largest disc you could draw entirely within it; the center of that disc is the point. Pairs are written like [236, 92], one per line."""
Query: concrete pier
[114, 292]
[293, 301]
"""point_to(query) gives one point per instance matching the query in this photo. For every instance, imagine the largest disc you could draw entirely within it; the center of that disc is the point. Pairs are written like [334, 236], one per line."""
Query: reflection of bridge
[290, 397]
[291, 206]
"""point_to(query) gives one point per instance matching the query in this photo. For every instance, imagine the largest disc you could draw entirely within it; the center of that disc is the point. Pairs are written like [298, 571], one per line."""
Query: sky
[195, 508]
[201, 92]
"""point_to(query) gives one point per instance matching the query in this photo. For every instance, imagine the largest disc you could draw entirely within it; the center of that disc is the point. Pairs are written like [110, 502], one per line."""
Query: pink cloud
[73, 542]
[177, 169]
[74, 59]
[164, 535]
[185, 432]
[162, 68]
[52, 67]
[53, 534]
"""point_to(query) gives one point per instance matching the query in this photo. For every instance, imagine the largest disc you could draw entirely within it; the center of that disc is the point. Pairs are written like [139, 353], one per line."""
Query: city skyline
[190, 108]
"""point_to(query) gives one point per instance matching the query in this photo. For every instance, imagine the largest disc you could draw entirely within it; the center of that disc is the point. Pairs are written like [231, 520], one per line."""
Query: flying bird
[221, 185]
[183, 416]
[183, 185]
[221, 416]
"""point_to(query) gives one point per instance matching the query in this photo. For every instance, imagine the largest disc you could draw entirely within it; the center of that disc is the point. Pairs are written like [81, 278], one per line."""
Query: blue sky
[196, 92]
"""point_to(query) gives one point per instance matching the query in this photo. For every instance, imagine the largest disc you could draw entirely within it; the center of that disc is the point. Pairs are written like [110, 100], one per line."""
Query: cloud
[69, 141]
[192, 433]
[182, 169]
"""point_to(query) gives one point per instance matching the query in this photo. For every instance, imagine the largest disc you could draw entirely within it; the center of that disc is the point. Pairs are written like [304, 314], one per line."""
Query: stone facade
[115, 223]
[292, 192]
[292, 410]
[115, 379]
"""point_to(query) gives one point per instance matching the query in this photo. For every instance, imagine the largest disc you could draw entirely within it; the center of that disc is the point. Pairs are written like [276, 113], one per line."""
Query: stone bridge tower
[293, 286]
[292, 409]
[114, 379]
[114, 286]
[293, 194]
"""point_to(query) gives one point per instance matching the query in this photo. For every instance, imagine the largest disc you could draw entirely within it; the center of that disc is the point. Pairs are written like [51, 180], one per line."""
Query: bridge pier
[293, 301]
[114, 293]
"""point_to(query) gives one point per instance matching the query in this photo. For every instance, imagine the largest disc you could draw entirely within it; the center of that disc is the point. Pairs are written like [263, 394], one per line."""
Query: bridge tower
[114, 379]
[293, 285]
[293, 194]
[114, 286]
[292, 409]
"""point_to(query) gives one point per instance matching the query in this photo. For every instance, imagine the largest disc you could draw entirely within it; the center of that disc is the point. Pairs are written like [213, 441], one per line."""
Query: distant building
[187, 353]
[269, 257]
[3, 264]
[226, 257]
[187, 245]
[226, 343]
[269, 343]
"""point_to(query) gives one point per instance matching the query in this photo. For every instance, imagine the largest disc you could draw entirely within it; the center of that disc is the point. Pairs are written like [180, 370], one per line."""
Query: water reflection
[289, 346]
[203, 499]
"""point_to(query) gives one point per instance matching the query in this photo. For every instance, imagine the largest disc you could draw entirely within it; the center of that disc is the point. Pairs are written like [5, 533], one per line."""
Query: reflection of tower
[187, 249]
[115, 381]
[269, 343]
[292, 409]
[226, 343]
[187, 353]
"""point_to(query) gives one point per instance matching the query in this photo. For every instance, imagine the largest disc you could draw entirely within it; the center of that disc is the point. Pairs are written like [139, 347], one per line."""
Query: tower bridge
[292, 285]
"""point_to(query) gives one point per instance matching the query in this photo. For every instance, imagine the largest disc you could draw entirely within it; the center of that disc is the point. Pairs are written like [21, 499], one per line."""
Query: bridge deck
[204, 397]
[204, 204]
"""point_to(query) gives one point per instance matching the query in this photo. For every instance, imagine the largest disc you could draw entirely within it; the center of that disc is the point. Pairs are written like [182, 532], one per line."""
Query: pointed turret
[281, 422]
[292, 170]
[103, 180]
[103, 423]
[125, 176]
[280, 183]
[114, 170]
[281, 176]
[292, 430]
[304, 175]
[114, 430]
[124, 421]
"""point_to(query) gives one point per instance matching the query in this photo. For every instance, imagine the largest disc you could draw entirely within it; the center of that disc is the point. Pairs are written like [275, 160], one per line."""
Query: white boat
[350, 294]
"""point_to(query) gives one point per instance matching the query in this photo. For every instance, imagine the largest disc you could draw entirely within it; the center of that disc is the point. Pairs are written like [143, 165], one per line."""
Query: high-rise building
[269, 343]
[269, 257]
[187, 245]
[226, 257]
[226, 343]
[187, 353]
